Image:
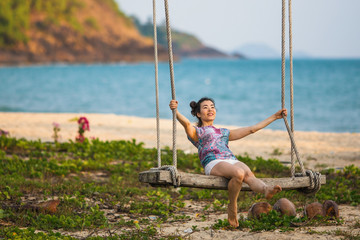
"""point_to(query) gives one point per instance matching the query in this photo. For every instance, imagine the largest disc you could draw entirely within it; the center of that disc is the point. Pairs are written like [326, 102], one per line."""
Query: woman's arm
[245, 131]
[189, 129]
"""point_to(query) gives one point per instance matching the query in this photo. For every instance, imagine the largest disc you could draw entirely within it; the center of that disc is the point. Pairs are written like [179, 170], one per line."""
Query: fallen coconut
[313, 210]
[330, 209]
[285, 207]
[258, 208]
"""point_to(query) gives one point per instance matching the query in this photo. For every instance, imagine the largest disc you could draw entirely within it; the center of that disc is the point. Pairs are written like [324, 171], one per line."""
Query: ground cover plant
[98, 192]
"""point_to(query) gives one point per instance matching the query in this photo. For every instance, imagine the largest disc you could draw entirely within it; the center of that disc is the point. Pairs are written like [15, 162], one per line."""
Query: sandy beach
[317, 150]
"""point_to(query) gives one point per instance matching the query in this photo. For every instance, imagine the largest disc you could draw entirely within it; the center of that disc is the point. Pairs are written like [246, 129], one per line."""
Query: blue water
[326, 92]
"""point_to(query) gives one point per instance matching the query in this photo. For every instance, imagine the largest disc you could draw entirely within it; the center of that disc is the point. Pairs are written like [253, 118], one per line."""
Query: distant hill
[257, 51]
[184, 44]
[263, 51]
[43, 31]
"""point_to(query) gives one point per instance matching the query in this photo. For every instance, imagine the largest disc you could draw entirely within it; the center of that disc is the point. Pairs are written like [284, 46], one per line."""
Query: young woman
[215, 155]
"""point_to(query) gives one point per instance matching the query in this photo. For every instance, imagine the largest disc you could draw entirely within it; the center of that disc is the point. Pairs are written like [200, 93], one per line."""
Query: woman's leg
[236, 176]
[256, 184]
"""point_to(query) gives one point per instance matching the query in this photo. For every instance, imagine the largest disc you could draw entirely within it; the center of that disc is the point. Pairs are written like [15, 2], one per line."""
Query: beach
[317, 150]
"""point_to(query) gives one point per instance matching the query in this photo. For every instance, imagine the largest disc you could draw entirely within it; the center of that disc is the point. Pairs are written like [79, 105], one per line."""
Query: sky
[321, 28]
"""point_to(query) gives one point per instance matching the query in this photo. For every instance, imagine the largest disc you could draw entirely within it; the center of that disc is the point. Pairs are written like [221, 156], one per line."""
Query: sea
[326, 92]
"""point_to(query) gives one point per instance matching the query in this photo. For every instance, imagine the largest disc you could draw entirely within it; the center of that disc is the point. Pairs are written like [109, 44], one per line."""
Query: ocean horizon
[326, 91]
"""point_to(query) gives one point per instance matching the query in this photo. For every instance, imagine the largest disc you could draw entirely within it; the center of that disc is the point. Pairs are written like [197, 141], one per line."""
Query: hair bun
[193, 104]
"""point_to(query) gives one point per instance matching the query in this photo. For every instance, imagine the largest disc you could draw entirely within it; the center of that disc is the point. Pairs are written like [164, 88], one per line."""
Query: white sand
[317, 150]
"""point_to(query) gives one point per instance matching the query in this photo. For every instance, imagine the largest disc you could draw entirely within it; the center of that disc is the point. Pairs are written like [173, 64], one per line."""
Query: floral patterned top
[212, 144]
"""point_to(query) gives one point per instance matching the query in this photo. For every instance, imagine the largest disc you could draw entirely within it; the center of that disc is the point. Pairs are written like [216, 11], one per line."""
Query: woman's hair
[195, 108]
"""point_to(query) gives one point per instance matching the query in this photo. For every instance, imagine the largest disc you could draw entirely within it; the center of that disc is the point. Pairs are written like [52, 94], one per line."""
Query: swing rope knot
[315, 183]
[175, 176]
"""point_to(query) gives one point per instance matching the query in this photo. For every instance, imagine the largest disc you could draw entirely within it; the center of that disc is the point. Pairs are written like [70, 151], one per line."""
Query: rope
[294, 147]
[290, 131]
[283, 56]
[315, 183]
[314, 177]
[156, 87]
[175, 176]
[291, 91]
[171, 65]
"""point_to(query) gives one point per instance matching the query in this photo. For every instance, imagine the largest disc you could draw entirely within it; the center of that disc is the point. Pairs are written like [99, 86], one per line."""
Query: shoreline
[163, 120]
[318, 150]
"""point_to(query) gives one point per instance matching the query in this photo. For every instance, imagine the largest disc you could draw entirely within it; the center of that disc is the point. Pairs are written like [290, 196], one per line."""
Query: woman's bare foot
[232, 218]
[271, 191]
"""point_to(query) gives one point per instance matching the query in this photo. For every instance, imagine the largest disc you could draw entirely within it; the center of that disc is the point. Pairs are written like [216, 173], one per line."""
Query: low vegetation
[97, 185]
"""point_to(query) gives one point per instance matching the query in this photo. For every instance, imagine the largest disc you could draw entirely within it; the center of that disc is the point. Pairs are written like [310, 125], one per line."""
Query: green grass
[96, 180]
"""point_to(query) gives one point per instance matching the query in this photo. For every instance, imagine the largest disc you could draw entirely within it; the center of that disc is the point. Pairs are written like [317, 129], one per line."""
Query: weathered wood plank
[162, 177]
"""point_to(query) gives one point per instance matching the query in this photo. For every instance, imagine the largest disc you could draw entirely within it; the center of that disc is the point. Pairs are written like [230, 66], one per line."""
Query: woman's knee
[238, 175]
[249, 174]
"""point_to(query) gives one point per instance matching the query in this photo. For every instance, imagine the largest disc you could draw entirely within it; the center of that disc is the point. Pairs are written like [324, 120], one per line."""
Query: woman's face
[207, 111]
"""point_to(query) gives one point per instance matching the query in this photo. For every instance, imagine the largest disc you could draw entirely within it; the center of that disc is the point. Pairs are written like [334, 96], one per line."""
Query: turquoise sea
[326, 92]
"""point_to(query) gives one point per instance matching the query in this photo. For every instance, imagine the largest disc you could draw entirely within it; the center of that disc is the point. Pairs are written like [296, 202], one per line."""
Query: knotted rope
[315, 183]
[294, 148]
[156, 60]
[313, 176]
[175, 176]
[292, 126]
[172, 81]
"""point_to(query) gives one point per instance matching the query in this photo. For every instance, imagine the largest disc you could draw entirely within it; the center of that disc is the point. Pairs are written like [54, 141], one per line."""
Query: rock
[313, 210]
[188, 230]
[330, 209]
[285, 207]
[258, 208]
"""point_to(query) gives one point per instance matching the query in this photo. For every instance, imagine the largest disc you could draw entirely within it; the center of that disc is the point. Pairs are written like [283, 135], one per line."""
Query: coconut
[313, 210]
[285, 207]
[258, 208]
[330, 209]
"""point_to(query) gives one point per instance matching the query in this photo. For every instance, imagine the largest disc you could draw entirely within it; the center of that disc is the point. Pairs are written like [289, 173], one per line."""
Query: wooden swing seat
[162, 178]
